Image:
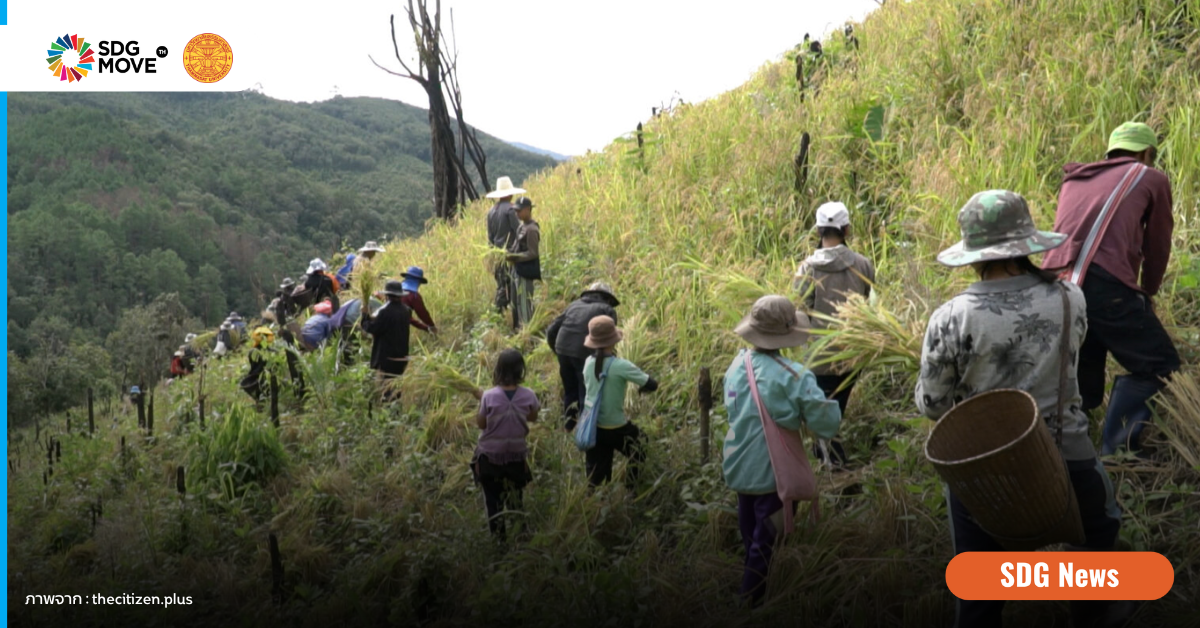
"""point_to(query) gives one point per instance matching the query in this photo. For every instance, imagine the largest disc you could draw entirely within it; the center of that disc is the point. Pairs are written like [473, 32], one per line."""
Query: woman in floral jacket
[1003, 332]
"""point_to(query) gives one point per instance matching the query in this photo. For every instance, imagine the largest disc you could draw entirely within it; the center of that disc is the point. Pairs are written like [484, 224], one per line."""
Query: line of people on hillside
[1104, 263]
[386, 318]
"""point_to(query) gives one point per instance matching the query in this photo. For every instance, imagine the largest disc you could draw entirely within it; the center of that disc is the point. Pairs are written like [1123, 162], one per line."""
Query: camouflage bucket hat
[996, 225]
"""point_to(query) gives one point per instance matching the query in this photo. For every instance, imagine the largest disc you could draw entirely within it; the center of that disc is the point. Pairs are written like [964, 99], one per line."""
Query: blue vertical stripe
[3, 13]
[4, 311]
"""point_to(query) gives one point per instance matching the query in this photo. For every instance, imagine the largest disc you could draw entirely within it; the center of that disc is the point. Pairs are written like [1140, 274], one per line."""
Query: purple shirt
[503, 440]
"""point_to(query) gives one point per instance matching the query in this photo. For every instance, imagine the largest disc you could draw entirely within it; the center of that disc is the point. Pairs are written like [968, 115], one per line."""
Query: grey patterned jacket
[1004, 334]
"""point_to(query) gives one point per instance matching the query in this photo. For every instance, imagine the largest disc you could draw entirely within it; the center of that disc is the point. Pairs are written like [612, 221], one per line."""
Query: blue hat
[414, 273]
[134, 390]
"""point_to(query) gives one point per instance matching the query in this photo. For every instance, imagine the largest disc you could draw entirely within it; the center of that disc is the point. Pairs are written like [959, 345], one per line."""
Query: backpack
[337, 285]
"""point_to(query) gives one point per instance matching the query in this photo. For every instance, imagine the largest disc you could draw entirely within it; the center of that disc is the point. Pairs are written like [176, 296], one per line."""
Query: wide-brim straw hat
[504, 187]
[371, 245]
[602, 333]
[774, 323]
[997, 225]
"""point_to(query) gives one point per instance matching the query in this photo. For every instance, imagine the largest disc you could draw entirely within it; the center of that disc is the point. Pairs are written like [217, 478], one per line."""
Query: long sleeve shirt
[790, 400]
[1138, 240]
[389, 327]
[529, 236]
[502, 225]
[1005, 333]
[414, 301]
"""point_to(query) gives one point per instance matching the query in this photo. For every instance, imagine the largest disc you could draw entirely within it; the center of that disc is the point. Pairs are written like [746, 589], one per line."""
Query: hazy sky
[557, 74]
[563, 75]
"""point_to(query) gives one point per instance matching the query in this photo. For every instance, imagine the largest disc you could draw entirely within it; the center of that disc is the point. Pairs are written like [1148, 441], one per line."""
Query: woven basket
[997, 456]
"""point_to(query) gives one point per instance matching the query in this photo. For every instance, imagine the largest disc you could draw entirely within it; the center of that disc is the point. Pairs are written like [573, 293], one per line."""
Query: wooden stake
[180, 484]
[705, 395]
[800, 164]
[141, 410]
[201, 411]
[275, 400]
[276, 568]
[91, 414]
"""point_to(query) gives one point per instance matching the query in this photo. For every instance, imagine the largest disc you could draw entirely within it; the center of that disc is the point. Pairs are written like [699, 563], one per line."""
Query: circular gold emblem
[208, 58]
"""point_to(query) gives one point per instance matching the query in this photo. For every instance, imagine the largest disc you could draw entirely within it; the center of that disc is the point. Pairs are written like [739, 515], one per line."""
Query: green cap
[1132, 136]
[996, 225]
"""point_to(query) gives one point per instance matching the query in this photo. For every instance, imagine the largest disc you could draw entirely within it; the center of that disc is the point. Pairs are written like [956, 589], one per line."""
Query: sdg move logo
[76, 64]
[71, 58]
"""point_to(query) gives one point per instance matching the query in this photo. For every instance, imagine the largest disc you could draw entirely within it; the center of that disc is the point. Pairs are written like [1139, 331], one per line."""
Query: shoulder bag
[585, 432]
[794, 478]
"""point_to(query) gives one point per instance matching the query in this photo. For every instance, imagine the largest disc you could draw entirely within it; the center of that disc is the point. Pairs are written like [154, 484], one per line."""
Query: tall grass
[377, 515]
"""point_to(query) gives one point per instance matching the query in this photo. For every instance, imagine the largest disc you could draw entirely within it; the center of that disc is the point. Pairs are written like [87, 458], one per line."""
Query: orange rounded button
[1060, 575]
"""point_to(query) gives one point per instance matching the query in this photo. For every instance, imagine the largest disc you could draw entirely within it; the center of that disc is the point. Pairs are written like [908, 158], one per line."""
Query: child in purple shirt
[505, 412]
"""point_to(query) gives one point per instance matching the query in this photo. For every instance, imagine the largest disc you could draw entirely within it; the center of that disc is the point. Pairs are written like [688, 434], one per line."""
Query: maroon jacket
[1139, 236]
[414, 301]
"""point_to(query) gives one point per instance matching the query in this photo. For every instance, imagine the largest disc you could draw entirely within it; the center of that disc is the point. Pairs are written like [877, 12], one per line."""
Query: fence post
[276, 569]
[91, 414]
[275, 398]
[800, 164]
[141, 410]
[705, 396]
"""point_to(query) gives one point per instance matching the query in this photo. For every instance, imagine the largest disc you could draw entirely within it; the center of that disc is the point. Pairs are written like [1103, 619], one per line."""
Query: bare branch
[394, 73]
[396, 48]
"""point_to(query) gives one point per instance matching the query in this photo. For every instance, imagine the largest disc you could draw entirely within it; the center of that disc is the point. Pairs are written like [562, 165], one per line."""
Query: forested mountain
[115, 199]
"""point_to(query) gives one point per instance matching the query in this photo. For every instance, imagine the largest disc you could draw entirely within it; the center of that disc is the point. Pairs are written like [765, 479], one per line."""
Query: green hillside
[115, 199]
[376, 517]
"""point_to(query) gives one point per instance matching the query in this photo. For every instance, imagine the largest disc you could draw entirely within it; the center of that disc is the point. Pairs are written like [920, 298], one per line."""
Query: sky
[564, 75]
[561, 75]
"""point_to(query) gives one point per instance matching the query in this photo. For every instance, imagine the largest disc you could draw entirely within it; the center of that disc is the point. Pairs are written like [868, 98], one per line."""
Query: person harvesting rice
[1004, 332]
[826, 279]
[499, 465]
[791, 395]
[615, 432]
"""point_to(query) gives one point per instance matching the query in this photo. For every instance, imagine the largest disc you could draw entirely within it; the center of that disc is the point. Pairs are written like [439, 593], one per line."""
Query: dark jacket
[320, 286]
[502, 225]
[569, 330]
[1138, 239]
[389, 327]
[253, 381]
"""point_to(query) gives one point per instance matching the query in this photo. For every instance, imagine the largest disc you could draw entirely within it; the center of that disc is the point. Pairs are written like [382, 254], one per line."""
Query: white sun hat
[504, 187]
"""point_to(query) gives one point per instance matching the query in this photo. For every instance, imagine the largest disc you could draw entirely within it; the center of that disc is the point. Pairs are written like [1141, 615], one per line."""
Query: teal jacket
[789, 400]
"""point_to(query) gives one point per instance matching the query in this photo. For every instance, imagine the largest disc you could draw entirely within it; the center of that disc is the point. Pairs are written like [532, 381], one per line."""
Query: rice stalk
[1179, 411]
[864, 335]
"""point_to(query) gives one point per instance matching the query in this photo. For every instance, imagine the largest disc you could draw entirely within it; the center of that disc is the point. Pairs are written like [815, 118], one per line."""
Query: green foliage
[117, 199]
[377, 515]
[238, 452]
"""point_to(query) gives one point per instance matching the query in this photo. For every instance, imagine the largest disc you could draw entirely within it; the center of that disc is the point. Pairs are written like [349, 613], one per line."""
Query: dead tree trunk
[436, 73]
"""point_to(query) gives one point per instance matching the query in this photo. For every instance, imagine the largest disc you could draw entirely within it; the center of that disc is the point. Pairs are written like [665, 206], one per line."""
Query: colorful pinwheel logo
[67, 71]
